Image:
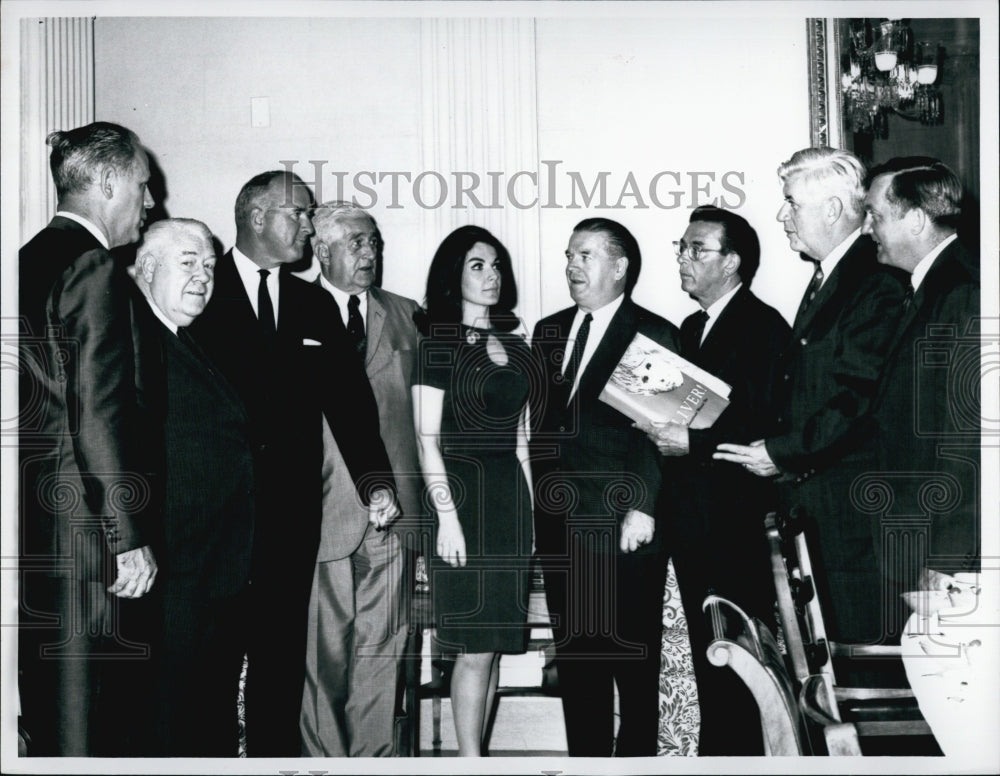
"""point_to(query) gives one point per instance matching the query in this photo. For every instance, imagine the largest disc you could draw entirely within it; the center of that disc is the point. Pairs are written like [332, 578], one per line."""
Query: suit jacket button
[562, 428]
[786, 376]
[803, 341]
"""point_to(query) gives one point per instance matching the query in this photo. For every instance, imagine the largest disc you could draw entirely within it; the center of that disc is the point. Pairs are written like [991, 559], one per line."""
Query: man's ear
[146, 266]
[732, 265]
[916, 220]
[834, 208]
[108, 181]
[257, 218]
[621, 267]
[321, 251]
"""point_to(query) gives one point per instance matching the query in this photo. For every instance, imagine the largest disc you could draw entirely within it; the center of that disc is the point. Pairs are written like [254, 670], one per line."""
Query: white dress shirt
[342, 298]
[600, 320]
[715, 309]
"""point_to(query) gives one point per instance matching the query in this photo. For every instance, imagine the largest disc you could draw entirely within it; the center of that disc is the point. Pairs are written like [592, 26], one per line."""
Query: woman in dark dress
[469, 399]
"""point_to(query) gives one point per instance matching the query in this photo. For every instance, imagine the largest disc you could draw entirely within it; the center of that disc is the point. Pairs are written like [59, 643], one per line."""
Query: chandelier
[883, 71]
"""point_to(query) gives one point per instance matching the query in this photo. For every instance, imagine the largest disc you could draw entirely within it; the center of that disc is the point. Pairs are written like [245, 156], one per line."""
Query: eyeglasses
[694, 252]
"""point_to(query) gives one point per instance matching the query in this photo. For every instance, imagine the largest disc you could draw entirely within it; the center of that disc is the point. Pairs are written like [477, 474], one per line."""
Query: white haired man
[825, 383]
[360, 595]
[202, 462]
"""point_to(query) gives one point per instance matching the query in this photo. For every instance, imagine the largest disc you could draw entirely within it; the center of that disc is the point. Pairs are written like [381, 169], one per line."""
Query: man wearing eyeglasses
[358, 606]
[715, 512]
[274, 339]
[826, 381]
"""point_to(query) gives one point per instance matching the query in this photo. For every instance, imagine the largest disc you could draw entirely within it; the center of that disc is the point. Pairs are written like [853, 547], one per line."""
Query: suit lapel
[844, 267]
[931, 281]
[552, 348]
[373, 325]
[823, 296]
[192, 352]
[609, 350]
[339, 322]
[229, 287]
[150, 339]
[689, 345]
[718, 342]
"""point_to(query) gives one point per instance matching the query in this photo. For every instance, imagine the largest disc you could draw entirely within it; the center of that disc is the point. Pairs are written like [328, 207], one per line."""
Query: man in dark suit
[274, 337]
[596, 480]
[927, 412]
[84, 546]
[826, 381]
[927, 418]
[357, 623]
[715, 512]
[199, 452]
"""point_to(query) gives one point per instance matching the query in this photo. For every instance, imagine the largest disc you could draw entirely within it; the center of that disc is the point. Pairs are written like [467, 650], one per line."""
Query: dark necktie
[811, 290]
[908, 298]
[356, 325]
[581, 342]
[265, 310]
[700, 320]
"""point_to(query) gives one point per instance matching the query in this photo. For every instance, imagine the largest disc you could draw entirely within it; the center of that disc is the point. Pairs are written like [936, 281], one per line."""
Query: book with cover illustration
[654, 384]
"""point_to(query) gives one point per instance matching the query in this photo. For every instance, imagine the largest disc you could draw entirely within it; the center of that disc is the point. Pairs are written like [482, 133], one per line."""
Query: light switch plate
[260, 112]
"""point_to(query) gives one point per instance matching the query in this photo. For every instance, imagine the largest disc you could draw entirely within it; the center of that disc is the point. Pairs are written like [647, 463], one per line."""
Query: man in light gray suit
[357, 613]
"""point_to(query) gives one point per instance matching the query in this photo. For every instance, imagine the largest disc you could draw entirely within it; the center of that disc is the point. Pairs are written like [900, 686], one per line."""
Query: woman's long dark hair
[443, 300]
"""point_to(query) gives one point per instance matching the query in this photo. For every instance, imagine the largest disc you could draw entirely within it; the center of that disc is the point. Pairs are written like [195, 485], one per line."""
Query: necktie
[811, 290]
[355, 324]
[577, 354]
[700, 320]
[265, 310]
[907, 298]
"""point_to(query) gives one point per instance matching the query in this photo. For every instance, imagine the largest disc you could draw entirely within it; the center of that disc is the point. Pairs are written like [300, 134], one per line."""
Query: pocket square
[307, 341]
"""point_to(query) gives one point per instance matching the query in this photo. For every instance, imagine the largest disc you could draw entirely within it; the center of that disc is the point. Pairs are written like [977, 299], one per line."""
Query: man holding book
[714, 512]
[596, 479]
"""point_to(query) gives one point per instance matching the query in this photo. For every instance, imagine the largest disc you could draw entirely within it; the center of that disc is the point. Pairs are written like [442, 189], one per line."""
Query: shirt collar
[602, 315]
[246, 266]
[90, 226]
[342, 297]
[829, 264]
[159, 313]
[248, 272]
[920, 271]
[715, 309]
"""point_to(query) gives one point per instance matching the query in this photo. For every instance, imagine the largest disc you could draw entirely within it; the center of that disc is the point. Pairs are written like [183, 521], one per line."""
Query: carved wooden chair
[787, 708]
[875, 711]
